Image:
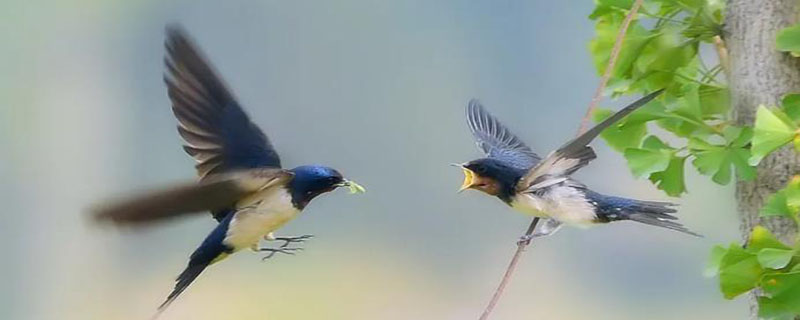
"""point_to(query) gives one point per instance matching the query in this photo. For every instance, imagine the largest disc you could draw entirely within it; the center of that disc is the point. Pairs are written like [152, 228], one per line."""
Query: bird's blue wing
[496, 140]
[218, 134]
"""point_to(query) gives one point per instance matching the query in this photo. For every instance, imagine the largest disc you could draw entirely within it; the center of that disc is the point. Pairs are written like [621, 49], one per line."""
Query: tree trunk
[759, 74]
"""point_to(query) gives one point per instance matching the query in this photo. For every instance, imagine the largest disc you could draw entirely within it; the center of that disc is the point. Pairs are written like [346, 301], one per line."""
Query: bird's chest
[563, 203]
[259, 215]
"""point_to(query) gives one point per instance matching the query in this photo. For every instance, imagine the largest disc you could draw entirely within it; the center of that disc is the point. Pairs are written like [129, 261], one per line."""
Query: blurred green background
[373, 88]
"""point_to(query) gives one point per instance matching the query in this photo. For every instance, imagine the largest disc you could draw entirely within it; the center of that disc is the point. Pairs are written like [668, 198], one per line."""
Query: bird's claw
[525, 240]
[298, 239]
[282, 249]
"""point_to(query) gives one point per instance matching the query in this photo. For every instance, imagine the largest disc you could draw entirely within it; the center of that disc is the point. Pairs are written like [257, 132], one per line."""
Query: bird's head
[488, 175]
[311, 181]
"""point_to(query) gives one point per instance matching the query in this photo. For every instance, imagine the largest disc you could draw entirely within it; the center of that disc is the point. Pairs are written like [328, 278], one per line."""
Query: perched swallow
[543, 187]
[241, 180]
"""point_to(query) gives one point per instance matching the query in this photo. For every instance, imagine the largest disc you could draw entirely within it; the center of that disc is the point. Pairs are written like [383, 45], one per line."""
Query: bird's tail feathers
[656, 213]
[182, 282]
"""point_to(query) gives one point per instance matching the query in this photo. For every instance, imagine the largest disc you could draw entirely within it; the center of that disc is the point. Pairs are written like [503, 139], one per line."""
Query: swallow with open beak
[241, 181]
[544, 188]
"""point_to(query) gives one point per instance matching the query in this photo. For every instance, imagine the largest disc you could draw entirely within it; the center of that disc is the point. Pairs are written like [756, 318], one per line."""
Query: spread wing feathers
[496, 140]
[214, 193]
[218, 134]
[576, 153]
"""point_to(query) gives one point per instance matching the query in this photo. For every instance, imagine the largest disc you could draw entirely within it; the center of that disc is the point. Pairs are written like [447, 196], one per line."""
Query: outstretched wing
[576, 153]
[217, 133]
[215, 193]
[496, 140]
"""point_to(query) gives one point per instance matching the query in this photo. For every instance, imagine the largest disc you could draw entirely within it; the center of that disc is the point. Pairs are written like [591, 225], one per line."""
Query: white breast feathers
[263, 213]
[563, 203]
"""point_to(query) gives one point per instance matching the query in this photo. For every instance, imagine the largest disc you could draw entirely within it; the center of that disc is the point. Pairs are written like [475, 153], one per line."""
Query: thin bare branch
[521, 245]
[612, 61]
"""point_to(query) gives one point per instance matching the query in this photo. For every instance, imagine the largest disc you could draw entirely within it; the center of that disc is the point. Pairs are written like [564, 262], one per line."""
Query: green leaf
[716, 160]
[685, 117]
[771, 132]
[792, 192]
[739, 272]
[654, 143]
[645, 162]
[783, 289]
[653, 156]
[623, 135]
[772, 310]
[776, 206]
[789, 40]
[702, 27]
[606, 7]
[784, 202]
[761, 238]
[619, 4]
[664, 69]
[679, 127]
[791, 106]
[775, 258]
[606, 29]
[714, 100]
[738, 136]
[671, 179]
[714, 261]
[739, 159]
[689, 103]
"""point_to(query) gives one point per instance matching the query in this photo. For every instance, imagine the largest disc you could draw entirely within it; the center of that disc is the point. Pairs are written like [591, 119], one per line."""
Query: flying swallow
[544, 188]
[241, 180]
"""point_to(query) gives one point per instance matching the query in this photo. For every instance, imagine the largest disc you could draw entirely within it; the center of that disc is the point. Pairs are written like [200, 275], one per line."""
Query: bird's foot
[525, 239]
[547, 228]
[282, 249]
[550, 226]
[298, 239]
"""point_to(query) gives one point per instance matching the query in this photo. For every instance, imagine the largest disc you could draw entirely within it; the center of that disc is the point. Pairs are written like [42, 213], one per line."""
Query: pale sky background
[375, 89]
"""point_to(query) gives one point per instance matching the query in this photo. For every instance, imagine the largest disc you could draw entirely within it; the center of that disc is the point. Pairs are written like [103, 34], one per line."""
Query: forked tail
[654, 213]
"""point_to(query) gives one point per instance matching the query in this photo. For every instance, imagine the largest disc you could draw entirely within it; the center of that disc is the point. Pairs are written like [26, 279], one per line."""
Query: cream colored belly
[253, 222]
[563, 204]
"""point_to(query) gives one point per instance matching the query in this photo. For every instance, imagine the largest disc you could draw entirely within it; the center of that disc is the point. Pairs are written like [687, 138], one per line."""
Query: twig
[509, 271]
[612, 61]
[722, 53]
[521, 245]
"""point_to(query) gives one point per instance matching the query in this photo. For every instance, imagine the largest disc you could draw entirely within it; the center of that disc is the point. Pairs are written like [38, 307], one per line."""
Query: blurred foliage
[789, 40]
[662, 49]
[763, 263]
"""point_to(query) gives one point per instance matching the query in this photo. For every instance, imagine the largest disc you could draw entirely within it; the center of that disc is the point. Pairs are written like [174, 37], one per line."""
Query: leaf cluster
[764, 263]
[668, 47]
[662, 50]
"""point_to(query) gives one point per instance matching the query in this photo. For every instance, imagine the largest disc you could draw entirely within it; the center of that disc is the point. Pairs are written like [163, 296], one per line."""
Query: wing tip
[648, 97]
[473, 106]
[175, 30]
[101, 213]
[474, 102]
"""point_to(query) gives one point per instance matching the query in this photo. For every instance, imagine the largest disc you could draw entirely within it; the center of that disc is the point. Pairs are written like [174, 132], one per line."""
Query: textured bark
[759, 74]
